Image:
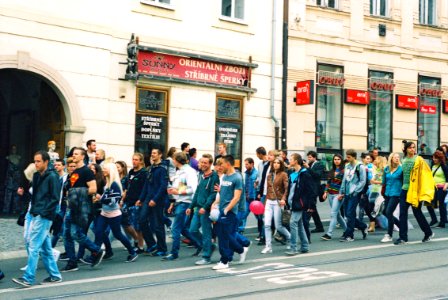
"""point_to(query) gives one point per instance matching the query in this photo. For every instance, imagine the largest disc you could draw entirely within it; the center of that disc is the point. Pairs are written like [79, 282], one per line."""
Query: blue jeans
[418, 214]
[204, 240]
[351, 202]
[73, 232]
[179, 227]
[390, 204]
[242, 216]
[115, 225]
[335, 214]
[298, 230]
[40, 242]
[106, 241]
[226, 230]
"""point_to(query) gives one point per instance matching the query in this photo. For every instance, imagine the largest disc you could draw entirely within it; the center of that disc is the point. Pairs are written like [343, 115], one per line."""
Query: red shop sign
[381, 86]
[406, 102]
[304, 92]
[356, 97]
[445, 106]
[191, 69]
[428, 109]
[327, 80]
[430, 91]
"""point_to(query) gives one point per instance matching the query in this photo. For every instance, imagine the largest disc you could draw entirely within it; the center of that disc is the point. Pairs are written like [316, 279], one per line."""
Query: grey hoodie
[352, 185]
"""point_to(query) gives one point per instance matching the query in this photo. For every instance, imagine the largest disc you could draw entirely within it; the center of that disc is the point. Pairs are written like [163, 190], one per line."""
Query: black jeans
[418, 214]
[390, 204]
[151, 222]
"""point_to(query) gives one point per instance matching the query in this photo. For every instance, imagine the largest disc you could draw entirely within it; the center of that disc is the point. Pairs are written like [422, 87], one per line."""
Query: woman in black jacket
[300, 199]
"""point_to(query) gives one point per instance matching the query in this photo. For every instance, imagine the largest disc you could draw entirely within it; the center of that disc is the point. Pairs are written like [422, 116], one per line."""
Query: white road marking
[186, 269]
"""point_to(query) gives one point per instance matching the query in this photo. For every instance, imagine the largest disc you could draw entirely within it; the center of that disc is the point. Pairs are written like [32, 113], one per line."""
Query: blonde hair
[113, 175]
[29, 171]
[389, 161]
[109, 159]
[276, 153]
[381, 162]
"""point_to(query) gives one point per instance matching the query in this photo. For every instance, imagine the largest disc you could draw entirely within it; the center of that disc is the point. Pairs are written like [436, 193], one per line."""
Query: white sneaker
[24, 268]
[266, 250]
[56, 254]
[386, 239]
[243, 255]
[220, 266]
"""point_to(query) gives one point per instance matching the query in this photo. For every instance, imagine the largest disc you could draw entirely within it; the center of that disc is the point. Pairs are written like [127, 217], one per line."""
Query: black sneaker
[326, 237]
[440, 225]
[261, 242]
[63, 256]
[150, 250]
[108, 256]
[433, 222]
[427, 238]
[139, 250]
[365, 232]
[346, 239]
[317, 230]
[50, 280]
[170, 257]
[197, 252]
[159, 254]
[400, 242]
[87, 260]
[98, 258]
[70, 267]
[22, 282]
[131, 257]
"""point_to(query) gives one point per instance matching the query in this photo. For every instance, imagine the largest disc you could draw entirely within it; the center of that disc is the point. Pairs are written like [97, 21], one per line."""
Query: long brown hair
[282, 165]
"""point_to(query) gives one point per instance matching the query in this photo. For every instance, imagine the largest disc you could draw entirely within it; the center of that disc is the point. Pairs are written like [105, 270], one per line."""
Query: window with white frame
[328, 3]
[167, 3]
[233, 9]
[379, 8]
[427, 12]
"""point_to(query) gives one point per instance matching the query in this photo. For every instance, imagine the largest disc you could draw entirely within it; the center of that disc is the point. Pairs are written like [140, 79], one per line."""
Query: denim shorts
[130, 217]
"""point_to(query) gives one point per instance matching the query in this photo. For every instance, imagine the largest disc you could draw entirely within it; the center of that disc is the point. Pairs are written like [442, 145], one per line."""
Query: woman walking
[375, 189]
[110, 212]
[277, 186]
[335, 177]
[122, 171]
[418, 187]
[440, 174]
[393, 181]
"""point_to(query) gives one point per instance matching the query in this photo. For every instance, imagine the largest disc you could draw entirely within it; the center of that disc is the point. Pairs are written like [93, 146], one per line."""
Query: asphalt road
[364, 269]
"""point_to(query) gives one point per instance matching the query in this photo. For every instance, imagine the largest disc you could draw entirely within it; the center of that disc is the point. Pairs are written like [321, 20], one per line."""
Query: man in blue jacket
[152, 201]
[45, 199]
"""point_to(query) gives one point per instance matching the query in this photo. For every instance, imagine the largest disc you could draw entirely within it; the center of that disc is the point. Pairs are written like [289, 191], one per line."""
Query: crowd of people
[205, 202]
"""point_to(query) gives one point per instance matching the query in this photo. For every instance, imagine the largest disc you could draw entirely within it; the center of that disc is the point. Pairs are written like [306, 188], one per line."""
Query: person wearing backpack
[351, 188]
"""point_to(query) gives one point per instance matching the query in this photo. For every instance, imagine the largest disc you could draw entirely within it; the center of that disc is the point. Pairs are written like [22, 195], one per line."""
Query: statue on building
[11, 200]
[131, 70]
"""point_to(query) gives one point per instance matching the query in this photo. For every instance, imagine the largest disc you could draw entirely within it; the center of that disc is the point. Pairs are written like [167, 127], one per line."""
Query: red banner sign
[356, 97]
[428, 109]
[445, 106]
[328, 80]
[406, 102]
[304, 92]
[430, 91]
[191, 69]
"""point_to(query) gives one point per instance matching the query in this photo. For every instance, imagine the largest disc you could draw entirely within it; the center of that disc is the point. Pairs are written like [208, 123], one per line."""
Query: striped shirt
[334, 183]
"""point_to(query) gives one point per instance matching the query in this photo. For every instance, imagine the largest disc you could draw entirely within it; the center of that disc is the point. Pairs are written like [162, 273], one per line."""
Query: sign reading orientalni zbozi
[193, 70]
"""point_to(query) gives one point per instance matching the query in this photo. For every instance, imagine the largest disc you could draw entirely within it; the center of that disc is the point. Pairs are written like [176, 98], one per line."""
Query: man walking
[200, 206]
[352, 185]
[81, 190]
[45, 198]
[316, 169]
[91, 153]
[152, 201]
[227, 201]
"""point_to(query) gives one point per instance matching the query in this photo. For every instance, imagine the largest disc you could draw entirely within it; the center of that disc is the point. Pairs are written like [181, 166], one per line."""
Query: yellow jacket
[421, 185]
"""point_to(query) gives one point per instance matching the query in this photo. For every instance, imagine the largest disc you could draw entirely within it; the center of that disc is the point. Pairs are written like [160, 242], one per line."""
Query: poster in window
[150, 100]
[229, 109]
[150, 133]
[230, 134]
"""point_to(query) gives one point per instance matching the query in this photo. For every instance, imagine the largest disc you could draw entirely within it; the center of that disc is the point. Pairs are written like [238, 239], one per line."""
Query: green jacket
[205, 194]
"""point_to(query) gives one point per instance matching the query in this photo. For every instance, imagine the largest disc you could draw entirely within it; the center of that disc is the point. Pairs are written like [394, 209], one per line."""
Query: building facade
[367, 74]
[200, 72]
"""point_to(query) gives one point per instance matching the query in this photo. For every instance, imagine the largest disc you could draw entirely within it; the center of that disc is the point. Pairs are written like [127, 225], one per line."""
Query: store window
[381, 90]
[229, 114]
[330, 85]
[379, 8]
[233, 9]
[427, 12]
[151, 121]
[328, 3]
[428, 120]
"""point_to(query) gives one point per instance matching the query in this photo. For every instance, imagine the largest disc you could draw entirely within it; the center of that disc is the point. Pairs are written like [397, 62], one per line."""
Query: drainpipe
[285, 72]
[274, 25]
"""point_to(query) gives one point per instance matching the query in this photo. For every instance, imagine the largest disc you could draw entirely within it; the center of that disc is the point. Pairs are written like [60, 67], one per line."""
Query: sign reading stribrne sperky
[192, 69]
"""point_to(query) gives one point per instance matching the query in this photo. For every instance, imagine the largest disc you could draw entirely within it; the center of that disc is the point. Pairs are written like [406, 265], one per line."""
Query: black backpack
[367, 183]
